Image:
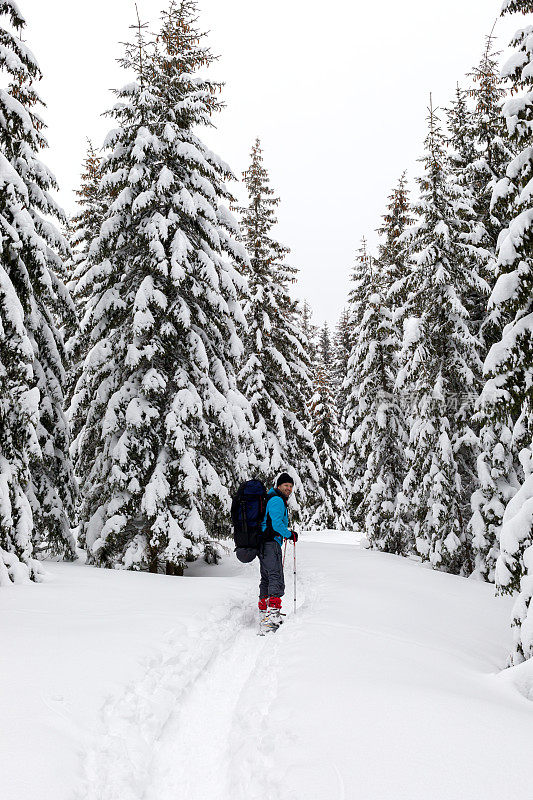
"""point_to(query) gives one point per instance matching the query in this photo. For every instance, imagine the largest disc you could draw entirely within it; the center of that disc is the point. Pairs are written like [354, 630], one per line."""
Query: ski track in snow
[252, 768]
[197, 725]
[119, 765]
[190, 760]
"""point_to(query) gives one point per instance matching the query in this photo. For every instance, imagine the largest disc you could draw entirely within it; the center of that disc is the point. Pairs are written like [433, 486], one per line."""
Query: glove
[294, 537]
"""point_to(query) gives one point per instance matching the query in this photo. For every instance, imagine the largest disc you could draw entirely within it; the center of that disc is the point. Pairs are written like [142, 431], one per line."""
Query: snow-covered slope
[384, 685]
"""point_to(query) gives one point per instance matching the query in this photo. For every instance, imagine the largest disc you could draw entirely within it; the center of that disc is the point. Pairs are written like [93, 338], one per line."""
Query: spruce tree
[478, 151]
[380, 435]
[332, 512]
[460, 168]
[84, 227]
[391, 250]
[493, 151]
[352, 414]
[19, 404]
[439, 362]
[310, 330]
[461, 134]
[392, 265]
[309, 338]
[158, 418]
[496, 462]
[342, 348]
[379, 341]
[38, 484]
[394, 270]
[509, 363]
[275, 377]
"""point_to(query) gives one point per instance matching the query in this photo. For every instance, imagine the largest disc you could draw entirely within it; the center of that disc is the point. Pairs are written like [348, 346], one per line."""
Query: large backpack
[247, 511]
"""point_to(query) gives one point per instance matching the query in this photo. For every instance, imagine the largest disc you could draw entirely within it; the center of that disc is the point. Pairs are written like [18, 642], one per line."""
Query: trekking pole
[294, 557]
[284, 551]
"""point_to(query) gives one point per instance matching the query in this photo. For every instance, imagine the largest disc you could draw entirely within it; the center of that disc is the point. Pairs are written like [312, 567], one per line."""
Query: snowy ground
[383, 686]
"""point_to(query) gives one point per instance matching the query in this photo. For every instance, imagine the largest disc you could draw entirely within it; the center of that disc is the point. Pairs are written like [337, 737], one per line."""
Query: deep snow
[384, 685]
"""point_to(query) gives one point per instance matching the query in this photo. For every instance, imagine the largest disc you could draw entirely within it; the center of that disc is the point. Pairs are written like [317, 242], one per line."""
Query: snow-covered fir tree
[158, 419]
[462, 170]
[510, 361]
[478, 151]
[382, 326]
[37, 486]
[376, 431]
[351, 415]
[380, 436]
[342, 347]
[393, 267]
[18, 420]
[463, 173]
[310, 338]
[493, 151]
[275, 377]
[332, 512]
[310, 330]
[461, 135]
[439, 362]
[496, 473]
[84, 227]
[392, 257]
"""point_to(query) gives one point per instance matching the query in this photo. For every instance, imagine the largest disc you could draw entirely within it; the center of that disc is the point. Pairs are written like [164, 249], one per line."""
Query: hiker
[275, 527]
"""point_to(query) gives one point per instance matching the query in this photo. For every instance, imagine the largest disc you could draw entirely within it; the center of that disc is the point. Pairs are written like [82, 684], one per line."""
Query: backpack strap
[243, 516]
[270, 532]
[279, 494]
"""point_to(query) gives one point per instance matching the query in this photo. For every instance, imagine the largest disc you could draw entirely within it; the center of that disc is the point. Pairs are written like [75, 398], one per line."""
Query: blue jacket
[277, 515]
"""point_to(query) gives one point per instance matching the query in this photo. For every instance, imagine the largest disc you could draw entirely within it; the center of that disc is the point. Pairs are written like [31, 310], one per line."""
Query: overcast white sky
[337, 92]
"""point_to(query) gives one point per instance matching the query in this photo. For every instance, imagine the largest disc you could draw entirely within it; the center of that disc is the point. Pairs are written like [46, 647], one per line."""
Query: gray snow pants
[271, 565]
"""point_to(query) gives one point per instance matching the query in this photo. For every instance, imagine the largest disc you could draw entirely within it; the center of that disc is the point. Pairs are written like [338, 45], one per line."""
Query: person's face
[285, 489]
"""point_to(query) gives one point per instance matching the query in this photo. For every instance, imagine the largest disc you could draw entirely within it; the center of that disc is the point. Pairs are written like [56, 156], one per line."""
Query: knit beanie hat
[284, 478]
